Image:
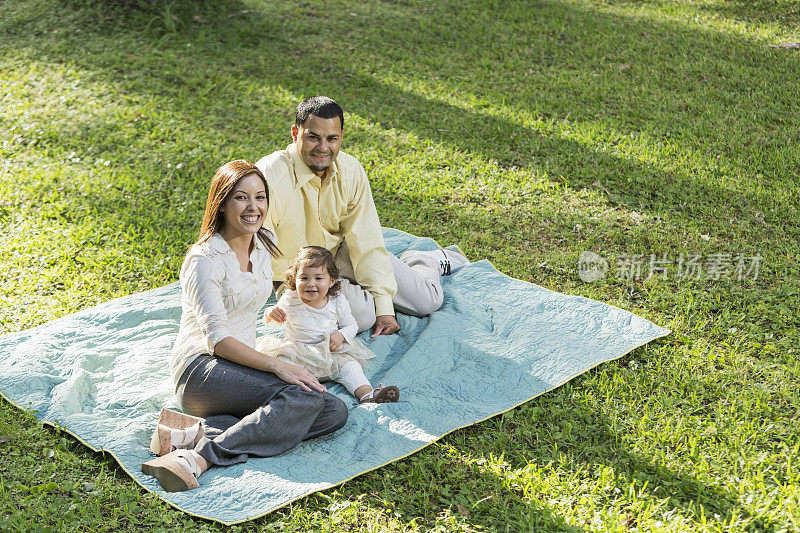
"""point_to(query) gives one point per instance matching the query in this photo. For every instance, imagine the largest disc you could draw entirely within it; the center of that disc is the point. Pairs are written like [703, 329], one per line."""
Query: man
[319, 195]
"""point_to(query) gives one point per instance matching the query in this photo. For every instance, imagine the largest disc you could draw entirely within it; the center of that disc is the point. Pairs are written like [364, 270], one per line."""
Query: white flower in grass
[179, 165]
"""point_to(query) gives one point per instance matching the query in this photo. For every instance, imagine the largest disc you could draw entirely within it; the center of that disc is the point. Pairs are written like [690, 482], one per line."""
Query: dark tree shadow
[769, 11]
[304, 62]
[512, 117]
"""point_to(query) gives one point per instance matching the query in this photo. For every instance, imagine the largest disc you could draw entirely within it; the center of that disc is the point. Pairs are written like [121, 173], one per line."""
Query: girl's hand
[294, 375]
[336, 340]
[275, 313]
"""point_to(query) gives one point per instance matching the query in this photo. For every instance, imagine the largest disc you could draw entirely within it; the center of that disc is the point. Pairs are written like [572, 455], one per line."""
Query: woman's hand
[336, 341]
[294, 375]
[235, 350]
[275, 313]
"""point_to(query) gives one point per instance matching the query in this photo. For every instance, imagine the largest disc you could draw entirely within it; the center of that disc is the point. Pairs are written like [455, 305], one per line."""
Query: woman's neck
[241, 245]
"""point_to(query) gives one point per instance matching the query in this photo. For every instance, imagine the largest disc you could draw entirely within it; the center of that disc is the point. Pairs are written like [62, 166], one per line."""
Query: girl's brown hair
[314, 256]
[222, 186]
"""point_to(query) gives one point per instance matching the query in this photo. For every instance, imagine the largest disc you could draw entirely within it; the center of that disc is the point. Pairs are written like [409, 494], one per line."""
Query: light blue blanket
[103, 375]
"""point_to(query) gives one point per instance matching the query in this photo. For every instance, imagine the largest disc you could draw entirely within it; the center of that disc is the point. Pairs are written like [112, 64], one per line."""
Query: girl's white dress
[308, 332]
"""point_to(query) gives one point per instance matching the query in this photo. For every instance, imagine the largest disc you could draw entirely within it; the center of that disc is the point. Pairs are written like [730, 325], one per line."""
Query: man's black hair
[319, 106]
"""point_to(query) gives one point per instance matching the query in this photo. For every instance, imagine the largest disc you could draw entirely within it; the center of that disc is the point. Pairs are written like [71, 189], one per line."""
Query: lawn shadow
[248, 55]
[592, 445]
[762, 11]
[627, 182]
[501, 467]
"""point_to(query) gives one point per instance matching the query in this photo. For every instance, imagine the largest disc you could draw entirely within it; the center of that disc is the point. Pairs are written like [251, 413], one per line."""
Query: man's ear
[295, 131]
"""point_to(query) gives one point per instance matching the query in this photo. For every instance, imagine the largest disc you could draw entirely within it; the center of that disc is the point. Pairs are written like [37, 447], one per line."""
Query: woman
[253, 405]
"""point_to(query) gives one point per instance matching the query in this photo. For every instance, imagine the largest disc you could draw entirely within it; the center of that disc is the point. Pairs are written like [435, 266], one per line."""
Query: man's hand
[385, 325]
[336, 340]
[276, 314]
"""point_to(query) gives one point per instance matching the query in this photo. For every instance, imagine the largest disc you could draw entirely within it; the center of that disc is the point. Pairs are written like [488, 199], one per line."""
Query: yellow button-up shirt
[305, 210]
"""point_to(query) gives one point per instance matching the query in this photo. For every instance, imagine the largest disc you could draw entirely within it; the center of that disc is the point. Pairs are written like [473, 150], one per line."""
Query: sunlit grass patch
[524, 132]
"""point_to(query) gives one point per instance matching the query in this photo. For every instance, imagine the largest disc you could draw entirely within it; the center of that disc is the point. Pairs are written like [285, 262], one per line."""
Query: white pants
[419, 290]
[351, 376]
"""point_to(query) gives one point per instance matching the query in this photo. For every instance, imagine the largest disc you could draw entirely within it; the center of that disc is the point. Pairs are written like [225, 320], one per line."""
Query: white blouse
[218, 299]
[308, 325]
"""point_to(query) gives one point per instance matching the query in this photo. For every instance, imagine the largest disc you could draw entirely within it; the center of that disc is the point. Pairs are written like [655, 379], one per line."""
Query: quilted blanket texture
[102, 374]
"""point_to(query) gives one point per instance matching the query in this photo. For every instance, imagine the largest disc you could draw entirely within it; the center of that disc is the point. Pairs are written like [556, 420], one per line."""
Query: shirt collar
[216, 242]
[302, 173]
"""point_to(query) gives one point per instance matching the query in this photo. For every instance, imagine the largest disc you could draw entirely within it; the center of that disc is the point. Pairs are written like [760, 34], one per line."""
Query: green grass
[525, 132]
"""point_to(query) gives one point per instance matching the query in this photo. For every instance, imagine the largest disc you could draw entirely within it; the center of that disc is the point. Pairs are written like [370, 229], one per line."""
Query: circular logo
[591, 267]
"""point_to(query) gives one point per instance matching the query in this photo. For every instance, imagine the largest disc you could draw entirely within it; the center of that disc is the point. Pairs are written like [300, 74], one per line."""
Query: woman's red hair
[222, 186]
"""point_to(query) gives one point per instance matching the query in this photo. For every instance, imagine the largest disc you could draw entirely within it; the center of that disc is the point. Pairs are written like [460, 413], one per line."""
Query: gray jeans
[250, 412]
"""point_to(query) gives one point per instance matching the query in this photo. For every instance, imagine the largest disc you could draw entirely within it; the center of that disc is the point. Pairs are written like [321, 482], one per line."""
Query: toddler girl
[320, 329]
